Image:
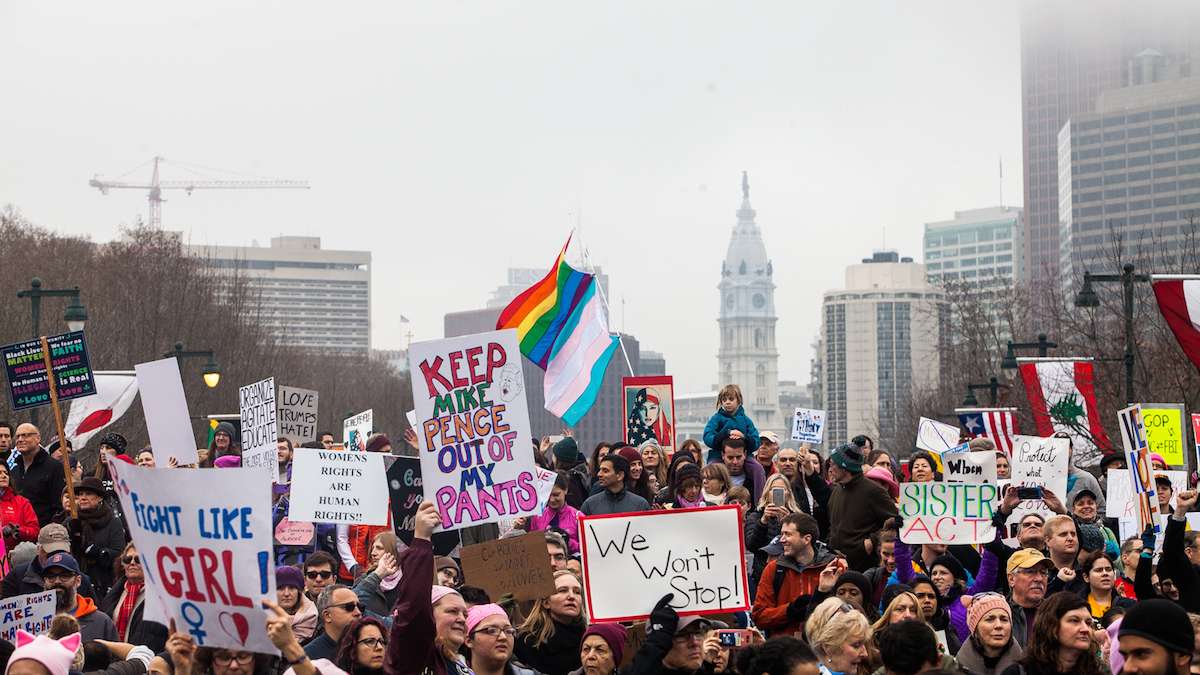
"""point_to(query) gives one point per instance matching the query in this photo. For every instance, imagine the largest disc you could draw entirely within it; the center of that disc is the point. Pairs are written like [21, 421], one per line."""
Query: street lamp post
[75, 316]
[1087, 298]
[993, 387]
[211, 372]
[1043, 345]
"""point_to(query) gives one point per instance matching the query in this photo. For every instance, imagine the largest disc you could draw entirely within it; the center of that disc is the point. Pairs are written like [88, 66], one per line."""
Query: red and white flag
[998, 424]
[1179, 302]
[88, 415]
[1062, 395]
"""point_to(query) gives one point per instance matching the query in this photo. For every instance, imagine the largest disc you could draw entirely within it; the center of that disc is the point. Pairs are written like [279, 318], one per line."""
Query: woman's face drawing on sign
[567, 601]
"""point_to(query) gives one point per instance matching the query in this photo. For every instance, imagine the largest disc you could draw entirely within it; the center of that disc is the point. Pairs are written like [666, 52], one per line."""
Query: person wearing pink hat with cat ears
[42, 656]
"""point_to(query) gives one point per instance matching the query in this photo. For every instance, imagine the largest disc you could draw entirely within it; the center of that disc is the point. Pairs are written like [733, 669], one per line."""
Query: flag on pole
[1179, 302]
[998, 424]
[89, 415]
[1062, 395]
[562, 328]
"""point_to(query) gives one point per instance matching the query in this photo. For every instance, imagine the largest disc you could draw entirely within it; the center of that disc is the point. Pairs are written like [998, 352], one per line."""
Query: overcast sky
[456, 139]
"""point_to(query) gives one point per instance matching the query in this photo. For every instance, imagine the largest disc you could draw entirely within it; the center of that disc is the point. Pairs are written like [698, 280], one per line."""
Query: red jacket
[770, 610]
[16, 510]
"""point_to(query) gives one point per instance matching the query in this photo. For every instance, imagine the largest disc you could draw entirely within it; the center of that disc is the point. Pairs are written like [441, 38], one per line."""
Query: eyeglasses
[374, 643]
[690, 636]
[1040, 571]
[496, 631]
[351, 606]
[225, 658]
[131, 560]
[318, 575]
[65, 576]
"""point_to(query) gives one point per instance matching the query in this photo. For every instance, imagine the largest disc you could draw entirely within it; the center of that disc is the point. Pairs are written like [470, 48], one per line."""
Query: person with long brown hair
[548, 641]
[363, 646]
[377, 590]
[1061, 641]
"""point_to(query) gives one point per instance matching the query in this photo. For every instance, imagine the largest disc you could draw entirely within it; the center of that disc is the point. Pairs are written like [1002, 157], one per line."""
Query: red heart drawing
[240, 625]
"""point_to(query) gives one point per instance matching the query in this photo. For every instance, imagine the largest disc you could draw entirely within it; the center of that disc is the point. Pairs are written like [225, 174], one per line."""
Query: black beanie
[1162, 622]
[951, 563]
[858, 579]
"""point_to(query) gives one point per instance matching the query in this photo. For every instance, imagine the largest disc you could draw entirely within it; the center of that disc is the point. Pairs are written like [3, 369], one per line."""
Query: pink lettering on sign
[289, 533]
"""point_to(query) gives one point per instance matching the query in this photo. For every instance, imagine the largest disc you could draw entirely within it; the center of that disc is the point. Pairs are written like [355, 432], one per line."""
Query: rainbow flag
[561, 327]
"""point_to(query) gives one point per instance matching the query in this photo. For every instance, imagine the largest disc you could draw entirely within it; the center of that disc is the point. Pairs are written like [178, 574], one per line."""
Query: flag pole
[587, 260]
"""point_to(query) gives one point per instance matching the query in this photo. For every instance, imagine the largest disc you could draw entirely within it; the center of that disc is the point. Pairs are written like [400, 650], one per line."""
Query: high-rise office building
[978, 255]
[880, 343]
[1070, 52]
[1129, 179]
[311, 297]
[747, 355]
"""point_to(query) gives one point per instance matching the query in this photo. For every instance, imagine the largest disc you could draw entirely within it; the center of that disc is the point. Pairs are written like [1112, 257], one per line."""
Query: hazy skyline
[455, 140]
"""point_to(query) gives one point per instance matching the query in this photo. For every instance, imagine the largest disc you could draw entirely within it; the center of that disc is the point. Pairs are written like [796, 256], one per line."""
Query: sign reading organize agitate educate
[473, 428]
[259, 426]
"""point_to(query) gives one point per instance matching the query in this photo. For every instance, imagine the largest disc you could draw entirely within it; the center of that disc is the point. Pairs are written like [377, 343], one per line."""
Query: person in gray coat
[614, 498]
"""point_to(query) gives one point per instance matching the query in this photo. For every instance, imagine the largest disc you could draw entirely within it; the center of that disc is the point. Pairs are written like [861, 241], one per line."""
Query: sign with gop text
[947, 513]
[473, 433]
[204, 537]
[630, 560]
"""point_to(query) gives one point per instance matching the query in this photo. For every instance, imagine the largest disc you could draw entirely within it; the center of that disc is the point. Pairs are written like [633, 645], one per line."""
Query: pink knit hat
[440, 592]
[227, 462]
[982, 604]
[478, 613]
[886, 481]
[56, 655]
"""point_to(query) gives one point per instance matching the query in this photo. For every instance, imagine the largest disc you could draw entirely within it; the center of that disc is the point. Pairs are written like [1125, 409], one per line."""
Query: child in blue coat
[729, 419]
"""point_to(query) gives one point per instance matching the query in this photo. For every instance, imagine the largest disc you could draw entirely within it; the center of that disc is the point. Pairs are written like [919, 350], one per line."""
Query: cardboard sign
[28, 385]
[948, 513]
[1121, 500]
[405, 491]
[259, 428]
[1137, 458]
[1041, 462]
[356, 430]
[649, 411]
[517, 565]
[1196, 436]
[291, 533]
[31, 613]
[473, 428]
[969, 467]
[297, 417]
[166, 412]
[808, 426]
[935, 436]
[338, 487]
[204, 537]
[1164, 432]
[630, 560]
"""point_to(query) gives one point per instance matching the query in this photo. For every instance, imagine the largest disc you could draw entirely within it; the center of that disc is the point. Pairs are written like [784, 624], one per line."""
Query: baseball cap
[693, 624]
[770, 436]
[53, 538]
[1028, 558]
[64, 560]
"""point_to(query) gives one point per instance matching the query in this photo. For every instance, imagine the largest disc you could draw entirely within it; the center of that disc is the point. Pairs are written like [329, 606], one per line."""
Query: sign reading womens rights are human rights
[473, 428]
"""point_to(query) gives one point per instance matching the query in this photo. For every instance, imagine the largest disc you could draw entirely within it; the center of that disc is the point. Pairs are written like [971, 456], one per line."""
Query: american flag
[998, 424]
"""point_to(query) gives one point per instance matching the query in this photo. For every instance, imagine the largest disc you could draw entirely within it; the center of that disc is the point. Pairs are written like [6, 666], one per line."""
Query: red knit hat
[630, 454]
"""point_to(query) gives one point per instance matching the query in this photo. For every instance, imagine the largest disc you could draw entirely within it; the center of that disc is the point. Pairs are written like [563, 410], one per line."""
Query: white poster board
[474, 438]
[631, 560]
[935, 436]
[260, 430]
[298, 414]
[969, 467]
[205, 540]
[31, 613]
[1041, 462]
[948, 513]
[165, 407]
[808, 426]
[336, 486]
[1120, 499]
[356, 430]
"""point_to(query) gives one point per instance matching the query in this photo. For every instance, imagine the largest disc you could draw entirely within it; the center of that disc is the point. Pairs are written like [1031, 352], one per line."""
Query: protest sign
[1196, 436]
[808, 426]
[338, 487]
[259, 429]
[356, 430]
[632, 559]
[28, 385]
[405, 494]
[166, 412]
[1137, 459]
[291, 533]
[297, 414]
[205, 541]
[517, 565]
[969, 467]
[1120, 499]
[474, 438]
[935, 436]
[1164, 432]
[31, 613]
[947, 513]
[649, 411]
[1041, 462]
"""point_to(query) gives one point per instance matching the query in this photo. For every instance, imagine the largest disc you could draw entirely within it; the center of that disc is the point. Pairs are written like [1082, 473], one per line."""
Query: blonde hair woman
[654, 460]
[838, 633]
[548, 641]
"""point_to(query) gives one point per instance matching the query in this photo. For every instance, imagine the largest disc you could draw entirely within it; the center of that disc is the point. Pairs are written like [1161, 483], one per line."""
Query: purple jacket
[567, 522]
[756, 477]
[989, 568]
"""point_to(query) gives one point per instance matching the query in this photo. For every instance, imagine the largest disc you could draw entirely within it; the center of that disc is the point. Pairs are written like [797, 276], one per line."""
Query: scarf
[388, 583]
[129, 600]
[90, 521]
[685, 504]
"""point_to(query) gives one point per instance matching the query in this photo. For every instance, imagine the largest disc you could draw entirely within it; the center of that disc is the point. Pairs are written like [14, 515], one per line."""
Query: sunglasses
[131, 559]
[351, 606]
[318, 575]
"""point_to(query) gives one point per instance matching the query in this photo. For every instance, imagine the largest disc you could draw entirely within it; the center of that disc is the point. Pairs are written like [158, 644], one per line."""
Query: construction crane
[156, 186]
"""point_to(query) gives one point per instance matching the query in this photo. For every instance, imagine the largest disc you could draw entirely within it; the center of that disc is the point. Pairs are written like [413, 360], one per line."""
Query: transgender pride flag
[561, 327]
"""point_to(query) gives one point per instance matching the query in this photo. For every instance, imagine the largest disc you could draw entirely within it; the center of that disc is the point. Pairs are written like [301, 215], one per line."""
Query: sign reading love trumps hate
[473, 428]
[204, 537]
[630, 560]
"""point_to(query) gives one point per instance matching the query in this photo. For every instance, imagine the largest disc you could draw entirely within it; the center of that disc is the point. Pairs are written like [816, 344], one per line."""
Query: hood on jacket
[822, 555]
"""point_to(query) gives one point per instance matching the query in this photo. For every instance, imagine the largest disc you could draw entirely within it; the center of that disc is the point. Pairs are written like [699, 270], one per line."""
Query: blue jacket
[721, 423]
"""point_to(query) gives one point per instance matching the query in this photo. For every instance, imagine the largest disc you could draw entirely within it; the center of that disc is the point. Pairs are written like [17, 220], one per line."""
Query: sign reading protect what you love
[473, 428]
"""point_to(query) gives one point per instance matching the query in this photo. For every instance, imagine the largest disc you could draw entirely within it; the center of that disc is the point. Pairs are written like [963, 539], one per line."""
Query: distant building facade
[311, 297]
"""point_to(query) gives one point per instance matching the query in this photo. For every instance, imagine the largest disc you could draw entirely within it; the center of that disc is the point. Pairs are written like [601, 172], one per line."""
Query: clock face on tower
[759, 301]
